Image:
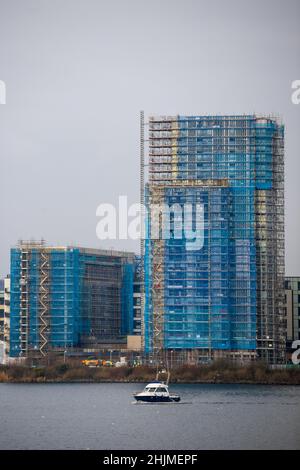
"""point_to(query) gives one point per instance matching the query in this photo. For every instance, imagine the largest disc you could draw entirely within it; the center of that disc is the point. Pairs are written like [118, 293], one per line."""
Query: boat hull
[157, 399]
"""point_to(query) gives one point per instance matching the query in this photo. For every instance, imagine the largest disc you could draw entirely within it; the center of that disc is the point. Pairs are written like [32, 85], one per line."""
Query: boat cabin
[156, 388]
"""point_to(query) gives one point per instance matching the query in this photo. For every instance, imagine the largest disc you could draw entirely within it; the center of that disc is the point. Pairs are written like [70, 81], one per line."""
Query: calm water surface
[103, 416]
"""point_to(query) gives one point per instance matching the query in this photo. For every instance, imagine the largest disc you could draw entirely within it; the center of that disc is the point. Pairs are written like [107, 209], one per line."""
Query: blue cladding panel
[127, 299]
[196, 307]
[264, 134]
[65, 295]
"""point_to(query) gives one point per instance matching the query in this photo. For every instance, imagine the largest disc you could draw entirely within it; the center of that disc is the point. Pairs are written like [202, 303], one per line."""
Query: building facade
[1, 321]
[224, 298]
[68, 297]
[292, 306]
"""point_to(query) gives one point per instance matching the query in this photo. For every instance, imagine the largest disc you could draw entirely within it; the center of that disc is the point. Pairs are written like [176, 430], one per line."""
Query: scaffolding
[24, 300]
[68, 297]
[142, 205]
[229, 301]
[157, 290]
[269, 207]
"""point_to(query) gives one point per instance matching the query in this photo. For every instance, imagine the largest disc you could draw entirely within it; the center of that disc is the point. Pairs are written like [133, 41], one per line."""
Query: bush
[220, 371]
[61, 369]
[4, 376]
[143, 374]
[17, 372]
[80, 373]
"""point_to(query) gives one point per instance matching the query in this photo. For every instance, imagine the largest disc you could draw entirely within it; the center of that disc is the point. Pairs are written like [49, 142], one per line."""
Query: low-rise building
[69, 298]
[1, 321]
[292, 305]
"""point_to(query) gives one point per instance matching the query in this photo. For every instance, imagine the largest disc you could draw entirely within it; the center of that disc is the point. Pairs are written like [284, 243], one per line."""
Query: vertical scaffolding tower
[28, 287]
[269, 219]
[24, 300]
[142, 204]
[44, 301]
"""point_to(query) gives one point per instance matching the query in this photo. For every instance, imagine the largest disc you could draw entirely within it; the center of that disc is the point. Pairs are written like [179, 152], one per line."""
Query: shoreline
[216, 373]
[183, 382]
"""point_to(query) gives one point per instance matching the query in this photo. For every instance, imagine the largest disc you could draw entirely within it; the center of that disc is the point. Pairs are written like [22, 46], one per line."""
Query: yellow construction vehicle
[107, 363]
[91, 362]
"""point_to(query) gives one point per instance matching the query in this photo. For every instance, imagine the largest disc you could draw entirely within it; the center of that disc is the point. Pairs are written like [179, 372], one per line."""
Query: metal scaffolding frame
[24, 300]
[142, 204]
[64, 297]
[253, 146]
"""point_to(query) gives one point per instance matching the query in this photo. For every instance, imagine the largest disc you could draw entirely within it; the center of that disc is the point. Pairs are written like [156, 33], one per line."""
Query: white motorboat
[156, 392]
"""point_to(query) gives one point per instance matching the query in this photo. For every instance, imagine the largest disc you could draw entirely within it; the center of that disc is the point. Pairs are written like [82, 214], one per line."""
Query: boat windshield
[150, 389]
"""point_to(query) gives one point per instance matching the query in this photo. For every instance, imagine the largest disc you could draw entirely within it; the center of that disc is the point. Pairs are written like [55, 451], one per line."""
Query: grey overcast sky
[77, 73]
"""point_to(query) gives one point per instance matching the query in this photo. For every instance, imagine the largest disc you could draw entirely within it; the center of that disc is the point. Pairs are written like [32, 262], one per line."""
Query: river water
[104, 416]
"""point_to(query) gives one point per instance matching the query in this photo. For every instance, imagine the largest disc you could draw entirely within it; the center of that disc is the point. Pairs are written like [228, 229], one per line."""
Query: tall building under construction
[226, 298]
[69, 297]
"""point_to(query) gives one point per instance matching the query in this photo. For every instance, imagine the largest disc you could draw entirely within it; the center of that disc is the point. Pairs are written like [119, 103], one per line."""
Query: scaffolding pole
[142, 204]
